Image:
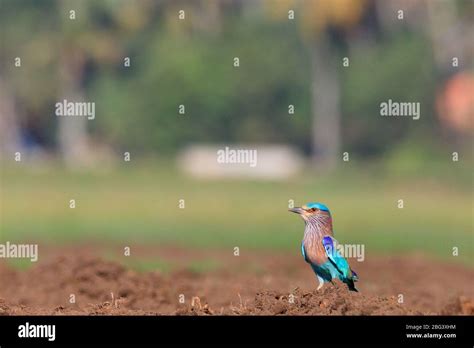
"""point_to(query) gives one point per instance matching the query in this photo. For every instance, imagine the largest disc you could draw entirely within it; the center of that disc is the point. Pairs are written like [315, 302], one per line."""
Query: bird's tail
[350, 281]
[351, 285]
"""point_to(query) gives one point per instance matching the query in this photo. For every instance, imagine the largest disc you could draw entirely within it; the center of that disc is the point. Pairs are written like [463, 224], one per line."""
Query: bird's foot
[321, 283]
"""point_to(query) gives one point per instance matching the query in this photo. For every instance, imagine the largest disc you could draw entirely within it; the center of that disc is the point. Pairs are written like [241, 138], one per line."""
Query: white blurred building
[245, 161]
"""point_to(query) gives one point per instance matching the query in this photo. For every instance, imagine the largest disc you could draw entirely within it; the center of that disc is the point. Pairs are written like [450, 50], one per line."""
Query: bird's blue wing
[339, 262]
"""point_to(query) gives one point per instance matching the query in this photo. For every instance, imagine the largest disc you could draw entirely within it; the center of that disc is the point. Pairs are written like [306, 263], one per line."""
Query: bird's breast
[314, 251]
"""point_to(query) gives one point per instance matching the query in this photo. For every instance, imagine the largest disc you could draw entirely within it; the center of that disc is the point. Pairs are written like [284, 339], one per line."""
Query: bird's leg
[321, 283]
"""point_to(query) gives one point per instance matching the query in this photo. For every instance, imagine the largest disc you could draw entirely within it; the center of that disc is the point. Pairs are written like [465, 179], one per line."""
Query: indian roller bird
[319, 246]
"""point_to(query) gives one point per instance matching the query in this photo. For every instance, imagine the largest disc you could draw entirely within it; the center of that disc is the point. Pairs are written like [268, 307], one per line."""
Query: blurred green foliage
[191, 63]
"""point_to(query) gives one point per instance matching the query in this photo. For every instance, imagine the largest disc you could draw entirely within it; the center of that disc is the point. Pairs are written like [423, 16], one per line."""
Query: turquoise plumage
[319, 248]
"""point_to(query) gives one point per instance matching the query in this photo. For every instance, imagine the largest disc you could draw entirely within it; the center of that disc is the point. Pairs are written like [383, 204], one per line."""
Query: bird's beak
[296, 210]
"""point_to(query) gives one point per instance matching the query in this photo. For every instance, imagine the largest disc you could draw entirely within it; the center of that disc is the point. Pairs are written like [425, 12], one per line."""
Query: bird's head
[311, 210]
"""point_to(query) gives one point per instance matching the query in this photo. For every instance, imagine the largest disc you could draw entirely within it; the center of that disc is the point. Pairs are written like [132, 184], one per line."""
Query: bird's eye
[312, 210]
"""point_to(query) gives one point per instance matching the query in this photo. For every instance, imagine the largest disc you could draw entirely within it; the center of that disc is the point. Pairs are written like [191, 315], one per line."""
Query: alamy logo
[37, 331]
[19, 251]
[356, 251]
[237, 156]
[84, 109]
[392, 108]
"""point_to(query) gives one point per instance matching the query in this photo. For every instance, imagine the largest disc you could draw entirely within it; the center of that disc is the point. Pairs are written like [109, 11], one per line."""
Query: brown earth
[250, 284]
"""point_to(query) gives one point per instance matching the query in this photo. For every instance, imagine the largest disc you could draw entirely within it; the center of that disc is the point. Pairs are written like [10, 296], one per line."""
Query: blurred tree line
[190, 62]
